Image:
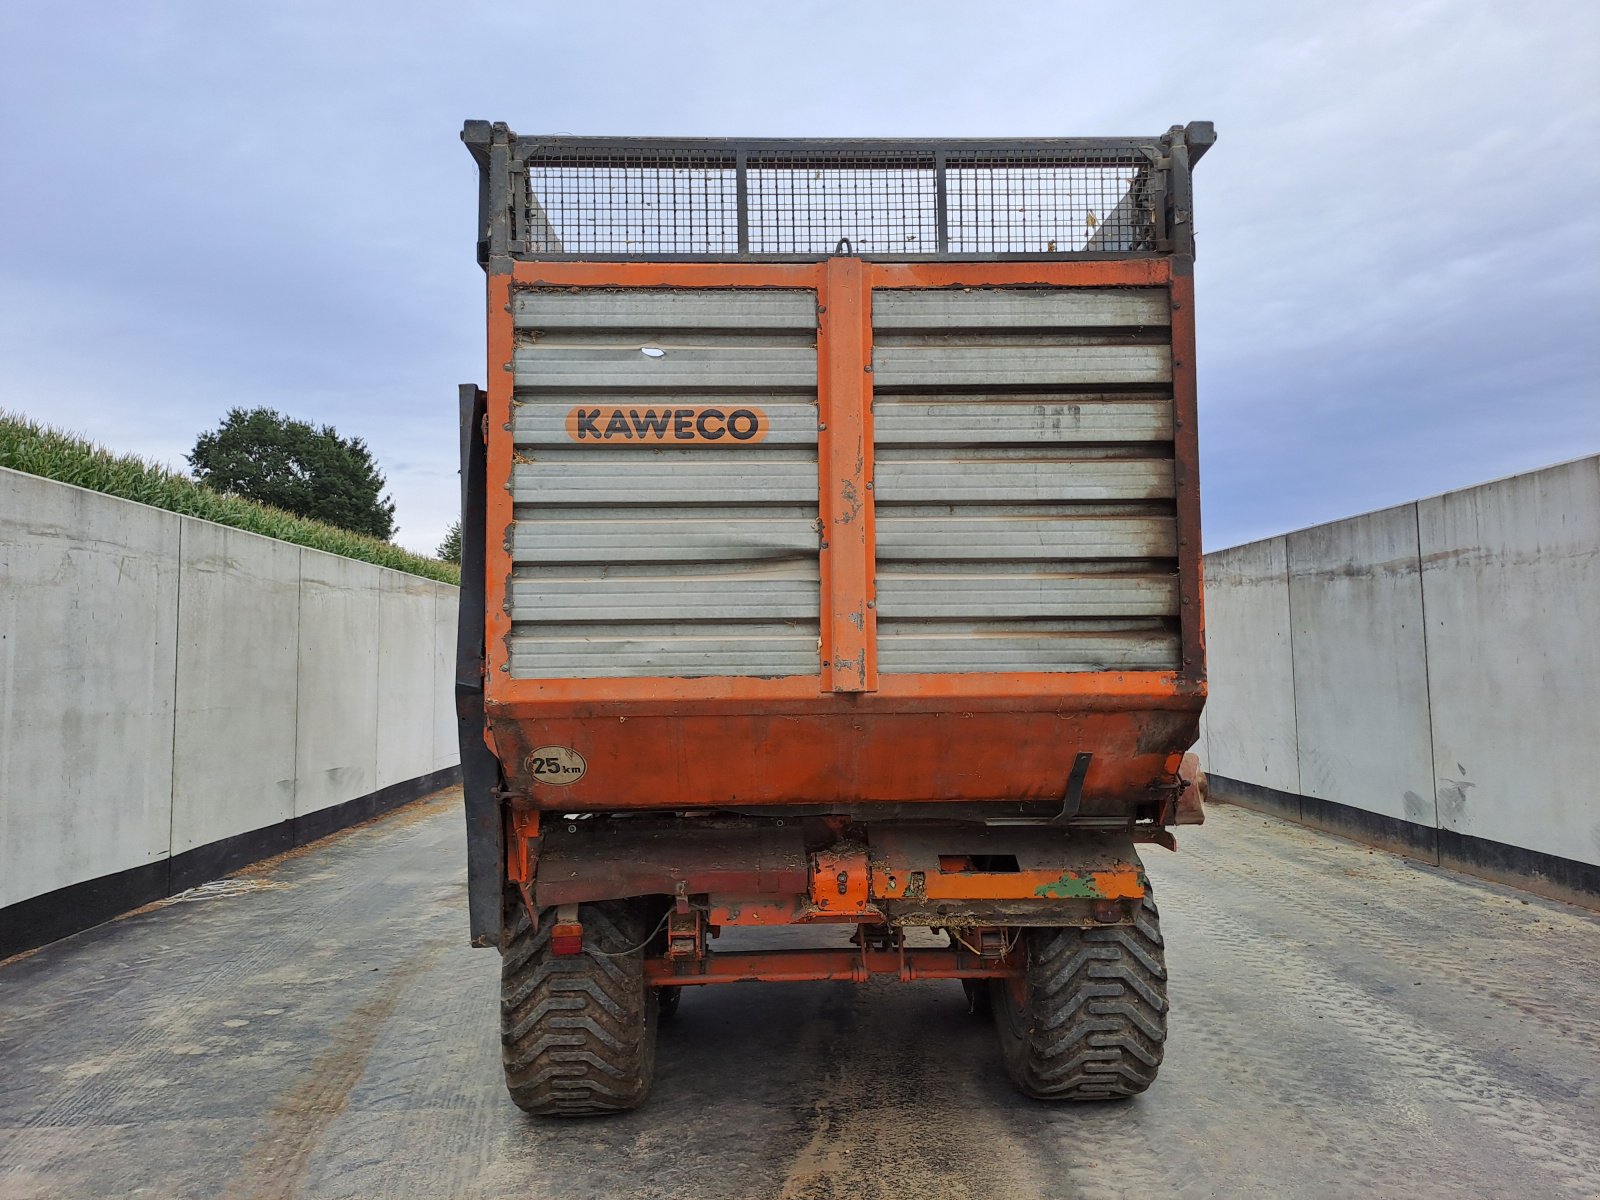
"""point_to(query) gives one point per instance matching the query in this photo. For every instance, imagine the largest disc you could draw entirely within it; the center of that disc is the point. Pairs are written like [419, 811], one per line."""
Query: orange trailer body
[845, 735]
[831, 559]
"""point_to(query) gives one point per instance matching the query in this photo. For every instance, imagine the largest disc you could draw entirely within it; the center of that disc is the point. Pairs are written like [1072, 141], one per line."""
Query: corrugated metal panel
[965, 534]
[638, 559]
[972, 480]
[902, 420]
[1022, 646]
[707, 310]
[989, 366]
[604, 477]
[1013, 591]
[1013, 309]
[686, 649]
[654, 536]
[1025, 511]
[737, 593]
[550, 365]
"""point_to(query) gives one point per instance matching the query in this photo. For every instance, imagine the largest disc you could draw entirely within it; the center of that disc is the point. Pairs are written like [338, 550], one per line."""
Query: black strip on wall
[65, 911]
[1547, 874]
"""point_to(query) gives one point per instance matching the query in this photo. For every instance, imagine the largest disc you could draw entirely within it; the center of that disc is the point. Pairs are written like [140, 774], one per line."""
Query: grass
[55, 454]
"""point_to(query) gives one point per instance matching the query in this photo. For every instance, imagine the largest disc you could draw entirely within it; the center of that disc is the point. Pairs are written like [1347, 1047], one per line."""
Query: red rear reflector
[566, 940]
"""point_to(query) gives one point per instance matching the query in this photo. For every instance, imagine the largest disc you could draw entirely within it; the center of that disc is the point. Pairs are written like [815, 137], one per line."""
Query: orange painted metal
[844, 468]
[1122, 272]
[666, 274]
[522, 845]
[845, 734]
[758, 911]
[744, 760]
[857, 966]
[497, 500]
[669, 425]
[841, 881]
[1124, 882]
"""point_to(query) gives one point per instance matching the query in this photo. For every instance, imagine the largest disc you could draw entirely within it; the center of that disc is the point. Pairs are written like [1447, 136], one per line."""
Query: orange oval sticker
[696, 424]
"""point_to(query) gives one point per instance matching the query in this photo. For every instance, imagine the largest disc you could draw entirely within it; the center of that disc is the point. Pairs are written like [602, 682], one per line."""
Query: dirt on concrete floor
[1344, 1023]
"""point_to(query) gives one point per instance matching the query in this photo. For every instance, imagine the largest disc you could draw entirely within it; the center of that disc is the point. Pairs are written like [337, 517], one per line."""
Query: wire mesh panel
[881, 204]
[645, 198]
[1046, 205]
[625, 204]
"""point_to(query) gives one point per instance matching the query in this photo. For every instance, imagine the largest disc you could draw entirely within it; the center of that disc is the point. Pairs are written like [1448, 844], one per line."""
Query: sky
[209, 205]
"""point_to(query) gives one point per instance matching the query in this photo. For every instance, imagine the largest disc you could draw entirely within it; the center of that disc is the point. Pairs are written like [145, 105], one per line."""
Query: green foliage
[450, 549]
[41, 450]
[312, 472]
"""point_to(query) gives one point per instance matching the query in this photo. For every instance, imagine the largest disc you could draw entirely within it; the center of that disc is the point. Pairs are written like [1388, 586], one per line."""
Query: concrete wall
[1248, 648]
[1511, 587]
[1436, 665]
[167, 684]
[88, 659]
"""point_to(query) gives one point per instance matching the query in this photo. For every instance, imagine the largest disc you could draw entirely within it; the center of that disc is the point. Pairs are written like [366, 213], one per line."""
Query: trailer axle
[851, 966]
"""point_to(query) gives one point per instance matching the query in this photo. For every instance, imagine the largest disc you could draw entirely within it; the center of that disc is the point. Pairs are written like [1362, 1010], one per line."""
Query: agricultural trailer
[830, 558]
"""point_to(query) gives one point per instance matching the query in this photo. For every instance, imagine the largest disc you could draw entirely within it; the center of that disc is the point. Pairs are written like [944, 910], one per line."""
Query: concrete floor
[1345, 1024]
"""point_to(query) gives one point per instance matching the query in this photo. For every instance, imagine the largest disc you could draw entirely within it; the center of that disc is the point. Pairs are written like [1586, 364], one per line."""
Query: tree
[265, 456]
[450, 549]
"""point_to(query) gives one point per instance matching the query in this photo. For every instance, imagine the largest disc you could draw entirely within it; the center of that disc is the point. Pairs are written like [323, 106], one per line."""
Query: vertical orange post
[501, 390]
[844, 465]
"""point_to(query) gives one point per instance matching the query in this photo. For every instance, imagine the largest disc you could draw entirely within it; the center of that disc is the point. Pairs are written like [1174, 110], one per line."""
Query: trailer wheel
[667, 1000]
[577, 1033]
[1089, 1018]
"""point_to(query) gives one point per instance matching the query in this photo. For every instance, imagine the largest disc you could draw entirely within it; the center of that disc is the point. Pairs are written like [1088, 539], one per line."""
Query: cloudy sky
[206, 204]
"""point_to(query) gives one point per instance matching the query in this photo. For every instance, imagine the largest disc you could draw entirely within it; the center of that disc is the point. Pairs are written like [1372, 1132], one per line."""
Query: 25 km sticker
[556, 765]
[701, 423]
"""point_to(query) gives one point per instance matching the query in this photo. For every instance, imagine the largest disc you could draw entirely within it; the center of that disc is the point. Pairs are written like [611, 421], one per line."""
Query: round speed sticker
[558, 765]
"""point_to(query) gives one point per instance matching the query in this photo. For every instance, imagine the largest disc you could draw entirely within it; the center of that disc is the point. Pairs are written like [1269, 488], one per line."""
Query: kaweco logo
[666, 426]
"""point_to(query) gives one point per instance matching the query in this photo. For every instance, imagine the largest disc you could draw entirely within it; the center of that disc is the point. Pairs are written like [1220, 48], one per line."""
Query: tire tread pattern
[1095, 1023]
[577, 1033]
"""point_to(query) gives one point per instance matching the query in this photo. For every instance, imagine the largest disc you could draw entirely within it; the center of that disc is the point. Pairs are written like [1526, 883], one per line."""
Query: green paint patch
[1071, 886]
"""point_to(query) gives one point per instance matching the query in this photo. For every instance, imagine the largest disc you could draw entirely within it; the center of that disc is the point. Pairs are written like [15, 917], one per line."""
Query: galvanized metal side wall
[1024, 480]
[632, 558]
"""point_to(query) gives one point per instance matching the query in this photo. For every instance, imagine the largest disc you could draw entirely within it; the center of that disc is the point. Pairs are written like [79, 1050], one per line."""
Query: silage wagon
[831, 558]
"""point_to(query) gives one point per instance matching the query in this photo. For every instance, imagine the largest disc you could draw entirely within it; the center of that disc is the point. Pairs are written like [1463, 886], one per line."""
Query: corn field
[55, 454]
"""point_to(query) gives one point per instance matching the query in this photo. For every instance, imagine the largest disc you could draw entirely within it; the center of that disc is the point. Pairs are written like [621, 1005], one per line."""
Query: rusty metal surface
[1191, 803]
[913, 965]
[575, 864]
[750, 871]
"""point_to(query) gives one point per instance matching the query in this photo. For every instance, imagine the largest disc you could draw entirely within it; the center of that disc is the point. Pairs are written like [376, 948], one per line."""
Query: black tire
[1092, 1020]
[578, 1033]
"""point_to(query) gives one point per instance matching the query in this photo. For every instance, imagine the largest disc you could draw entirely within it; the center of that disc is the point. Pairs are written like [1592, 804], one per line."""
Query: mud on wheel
[1089, 1018]
[578, 1032]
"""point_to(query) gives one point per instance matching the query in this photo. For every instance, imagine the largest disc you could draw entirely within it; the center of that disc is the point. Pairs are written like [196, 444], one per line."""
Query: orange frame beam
[844, 467]
[847, 966]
